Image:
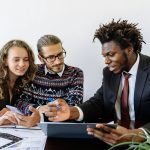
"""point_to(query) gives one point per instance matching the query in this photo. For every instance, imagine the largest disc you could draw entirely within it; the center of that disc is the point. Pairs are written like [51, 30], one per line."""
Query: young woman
[16, 69]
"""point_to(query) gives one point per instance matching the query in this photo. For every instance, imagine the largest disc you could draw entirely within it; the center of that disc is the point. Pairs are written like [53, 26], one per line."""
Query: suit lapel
[111, 89]
[114, 84]
[140, 83]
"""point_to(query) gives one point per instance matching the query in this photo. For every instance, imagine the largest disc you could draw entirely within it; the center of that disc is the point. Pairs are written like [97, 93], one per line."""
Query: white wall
[75, 22]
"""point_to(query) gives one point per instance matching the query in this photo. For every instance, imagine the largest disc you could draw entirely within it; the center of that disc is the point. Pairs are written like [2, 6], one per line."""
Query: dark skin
[117, 60]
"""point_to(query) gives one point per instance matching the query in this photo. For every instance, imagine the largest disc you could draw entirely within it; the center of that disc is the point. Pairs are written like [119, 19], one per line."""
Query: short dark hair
[123, 33]
[47, 40]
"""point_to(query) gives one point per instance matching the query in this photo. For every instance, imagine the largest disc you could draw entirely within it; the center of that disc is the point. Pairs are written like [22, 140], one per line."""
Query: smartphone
[113, 126]
[14, 109]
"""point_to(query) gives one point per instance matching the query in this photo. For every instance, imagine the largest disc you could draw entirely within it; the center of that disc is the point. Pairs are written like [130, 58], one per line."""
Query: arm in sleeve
[74, 94]
[23, 100]
[93, 108]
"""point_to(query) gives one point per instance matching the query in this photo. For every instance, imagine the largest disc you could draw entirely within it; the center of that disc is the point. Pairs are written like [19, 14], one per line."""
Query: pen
[50, 99]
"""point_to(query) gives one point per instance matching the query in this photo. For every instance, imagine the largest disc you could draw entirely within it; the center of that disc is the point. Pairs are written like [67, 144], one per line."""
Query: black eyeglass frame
[60, 56]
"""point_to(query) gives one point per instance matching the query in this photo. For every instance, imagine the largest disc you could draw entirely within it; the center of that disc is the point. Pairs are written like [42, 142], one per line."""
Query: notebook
[8, 140]
[66, 129]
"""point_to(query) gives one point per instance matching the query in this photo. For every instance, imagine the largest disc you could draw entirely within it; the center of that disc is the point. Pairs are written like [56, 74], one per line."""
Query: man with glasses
[54, 79]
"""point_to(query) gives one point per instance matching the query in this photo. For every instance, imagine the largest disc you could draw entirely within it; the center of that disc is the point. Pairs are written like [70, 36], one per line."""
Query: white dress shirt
[132, 80]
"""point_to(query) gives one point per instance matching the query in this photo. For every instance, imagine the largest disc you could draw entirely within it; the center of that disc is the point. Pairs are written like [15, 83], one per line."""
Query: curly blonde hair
[28, 76]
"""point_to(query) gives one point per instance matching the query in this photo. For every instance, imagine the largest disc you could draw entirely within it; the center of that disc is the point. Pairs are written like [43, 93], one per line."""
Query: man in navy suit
[121, 46]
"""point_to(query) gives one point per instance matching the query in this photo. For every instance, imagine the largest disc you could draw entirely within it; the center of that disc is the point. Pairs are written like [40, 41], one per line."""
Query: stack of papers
[33, 138]
[8, 140]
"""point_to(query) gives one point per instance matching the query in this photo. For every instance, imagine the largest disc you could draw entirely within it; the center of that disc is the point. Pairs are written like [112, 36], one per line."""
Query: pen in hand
[50, 99]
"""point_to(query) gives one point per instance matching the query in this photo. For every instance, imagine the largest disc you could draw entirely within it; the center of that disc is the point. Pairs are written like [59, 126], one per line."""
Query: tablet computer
[65, 129]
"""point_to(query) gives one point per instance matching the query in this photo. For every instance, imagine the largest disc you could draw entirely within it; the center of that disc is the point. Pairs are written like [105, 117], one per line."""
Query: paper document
[33, 139]
[8, 140]
[20, 127]
[4, 141]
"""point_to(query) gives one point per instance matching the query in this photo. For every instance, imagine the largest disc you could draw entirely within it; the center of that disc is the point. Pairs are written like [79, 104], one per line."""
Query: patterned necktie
[125, 117]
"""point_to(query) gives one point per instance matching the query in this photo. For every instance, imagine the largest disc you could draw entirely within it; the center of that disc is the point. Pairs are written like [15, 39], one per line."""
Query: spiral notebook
[8, 140]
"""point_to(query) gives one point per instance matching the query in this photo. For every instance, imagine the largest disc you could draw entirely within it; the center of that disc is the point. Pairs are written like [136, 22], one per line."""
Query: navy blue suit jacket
[101, 107]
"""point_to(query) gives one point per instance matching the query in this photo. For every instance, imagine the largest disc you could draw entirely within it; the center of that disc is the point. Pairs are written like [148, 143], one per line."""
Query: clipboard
[65, 129]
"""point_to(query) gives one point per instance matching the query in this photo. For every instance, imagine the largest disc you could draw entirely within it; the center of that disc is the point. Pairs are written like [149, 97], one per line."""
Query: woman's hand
[8, 118]
[3, 111]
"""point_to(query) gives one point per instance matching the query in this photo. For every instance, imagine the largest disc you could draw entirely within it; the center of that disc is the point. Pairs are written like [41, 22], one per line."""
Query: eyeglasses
[52, 58]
